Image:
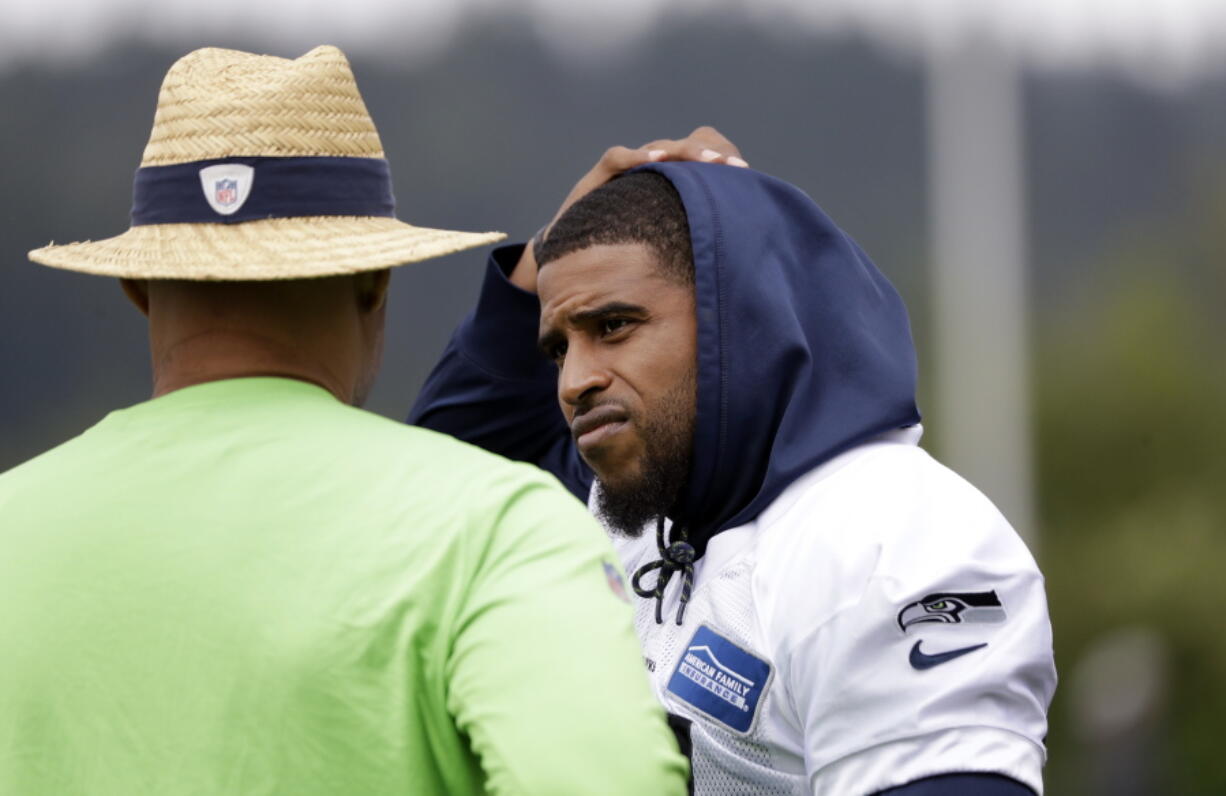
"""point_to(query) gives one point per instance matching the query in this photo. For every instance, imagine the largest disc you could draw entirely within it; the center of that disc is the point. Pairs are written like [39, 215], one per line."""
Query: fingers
[704, 144]
[619, 158]
[614, 161]
[715, 140]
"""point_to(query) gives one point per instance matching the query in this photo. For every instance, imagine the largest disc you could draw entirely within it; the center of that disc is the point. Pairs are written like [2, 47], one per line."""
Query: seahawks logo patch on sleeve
[953, 608]
[721, 680]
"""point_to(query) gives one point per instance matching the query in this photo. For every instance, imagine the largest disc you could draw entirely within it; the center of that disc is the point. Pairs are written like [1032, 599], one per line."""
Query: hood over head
[804, 347]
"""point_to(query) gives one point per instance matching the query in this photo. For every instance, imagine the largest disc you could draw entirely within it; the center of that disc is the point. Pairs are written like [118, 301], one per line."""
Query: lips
[595, 425]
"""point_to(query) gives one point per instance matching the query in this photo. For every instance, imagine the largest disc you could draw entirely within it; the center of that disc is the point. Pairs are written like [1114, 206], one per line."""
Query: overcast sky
[1159, 41]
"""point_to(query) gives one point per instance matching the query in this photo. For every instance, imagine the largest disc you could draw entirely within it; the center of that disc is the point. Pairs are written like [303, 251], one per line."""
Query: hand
[705, 144]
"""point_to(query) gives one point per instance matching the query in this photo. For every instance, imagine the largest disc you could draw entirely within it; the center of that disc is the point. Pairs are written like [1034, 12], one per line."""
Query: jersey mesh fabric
[723, 763]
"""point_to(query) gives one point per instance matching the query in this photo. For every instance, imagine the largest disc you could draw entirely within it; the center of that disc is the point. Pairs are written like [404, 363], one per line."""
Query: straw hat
[260, 168]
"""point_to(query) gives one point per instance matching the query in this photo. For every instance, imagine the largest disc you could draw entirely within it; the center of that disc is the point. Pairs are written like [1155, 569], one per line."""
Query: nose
[581, 376]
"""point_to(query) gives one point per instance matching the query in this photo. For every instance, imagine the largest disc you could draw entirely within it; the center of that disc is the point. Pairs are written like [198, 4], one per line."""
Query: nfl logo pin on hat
[226, 186]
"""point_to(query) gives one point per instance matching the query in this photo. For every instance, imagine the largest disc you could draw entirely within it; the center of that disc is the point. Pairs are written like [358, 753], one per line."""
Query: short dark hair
[642, 207]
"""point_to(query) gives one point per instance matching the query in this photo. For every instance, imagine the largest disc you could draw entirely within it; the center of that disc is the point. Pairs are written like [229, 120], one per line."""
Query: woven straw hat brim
[275, 248]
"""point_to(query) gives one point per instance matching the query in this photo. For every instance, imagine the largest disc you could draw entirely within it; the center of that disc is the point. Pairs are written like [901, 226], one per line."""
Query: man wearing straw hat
[246, 585]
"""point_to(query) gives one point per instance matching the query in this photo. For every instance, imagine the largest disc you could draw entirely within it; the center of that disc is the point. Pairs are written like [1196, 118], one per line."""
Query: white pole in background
[977, 196]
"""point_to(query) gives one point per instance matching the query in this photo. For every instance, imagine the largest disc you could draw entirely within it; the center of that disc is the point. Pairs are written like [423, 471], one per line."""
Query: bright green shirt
[247, 587]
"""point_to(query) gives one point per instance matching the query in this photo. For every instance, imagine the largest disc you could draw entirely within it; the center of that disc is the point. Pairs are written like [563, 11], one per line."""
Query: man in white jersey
[823, 607]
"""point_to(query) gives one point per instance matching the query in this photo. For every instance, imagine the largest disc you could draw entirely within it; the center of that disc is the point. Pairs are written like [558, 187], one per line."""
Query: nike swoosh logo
[921, 661]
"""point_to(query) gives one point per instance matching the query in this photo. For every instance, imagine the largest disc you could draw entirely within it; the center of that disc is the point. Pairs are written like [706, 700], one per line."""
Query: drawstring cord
[678, 556]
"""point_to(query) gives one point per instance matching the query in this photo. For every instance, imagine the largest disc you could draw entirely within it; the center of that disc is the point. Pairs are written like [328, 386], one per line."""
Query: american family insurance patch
[723, 681]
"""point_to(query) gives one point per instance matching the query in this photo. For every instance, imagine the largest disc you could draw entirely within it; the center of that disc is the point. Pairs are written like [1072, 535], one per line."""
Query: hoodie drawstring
[679, 555]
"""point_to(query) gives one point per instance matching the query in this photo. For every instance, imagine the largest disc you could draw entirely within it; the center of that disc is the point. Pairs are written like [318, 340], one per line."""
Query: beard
[626, 507]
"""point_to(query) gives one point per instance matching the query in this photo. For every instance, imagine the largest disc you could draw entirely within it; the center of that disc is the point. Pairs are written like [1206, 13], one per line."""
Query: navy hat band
[233, 190]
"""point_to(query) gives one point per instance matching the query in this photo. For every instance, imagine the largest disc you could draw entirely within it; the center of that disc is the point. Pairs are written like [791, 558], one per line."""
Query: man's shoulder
[282, 441]
[876, 488]
[884, 510]
[43, 466]
[377, 441]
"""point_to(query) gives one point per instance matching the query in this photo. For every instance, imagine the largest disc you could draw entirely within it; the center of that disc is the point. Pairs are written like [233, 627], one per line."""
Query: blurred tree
[1132, 464]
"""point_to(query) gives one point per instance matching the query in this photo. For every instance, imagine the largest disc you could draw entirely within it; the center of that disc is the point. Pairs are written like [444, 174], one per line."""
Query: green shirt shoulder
[273, 592]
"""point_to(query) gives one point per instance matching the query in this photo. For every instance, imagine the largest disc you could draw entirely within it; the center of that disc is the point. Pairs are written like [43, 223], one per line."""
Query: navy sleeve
[493, 388]
[961, 785]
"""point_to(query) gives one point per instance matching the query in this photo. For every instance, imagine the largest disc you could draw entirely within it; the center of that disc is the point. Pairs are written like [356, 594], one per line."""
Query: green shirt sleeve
[545, 676]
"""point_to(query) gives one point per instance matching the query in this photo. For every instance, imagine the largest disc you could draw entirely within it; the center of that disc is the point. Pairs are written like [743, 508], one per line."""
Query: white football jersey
[878, 623]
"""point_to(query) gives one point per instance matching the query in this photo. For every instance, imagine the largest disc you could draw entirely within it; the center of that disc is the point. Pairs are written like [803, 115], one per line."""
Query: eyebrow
[613, 308]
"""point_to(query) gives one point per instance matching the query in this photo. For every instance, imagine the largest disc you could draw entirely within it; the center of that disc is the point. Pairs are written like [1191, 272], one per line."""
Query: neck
[219, 355]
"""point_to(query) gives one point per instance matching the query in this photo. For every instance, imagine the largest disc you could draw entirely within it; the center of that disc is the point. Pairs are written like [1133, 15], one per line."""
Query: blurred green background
[1126, 210]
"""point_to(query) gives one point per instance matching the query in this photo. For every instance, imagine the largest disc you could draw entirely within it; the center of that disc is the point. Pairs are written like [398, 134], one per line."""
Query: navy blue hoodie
[804, 351]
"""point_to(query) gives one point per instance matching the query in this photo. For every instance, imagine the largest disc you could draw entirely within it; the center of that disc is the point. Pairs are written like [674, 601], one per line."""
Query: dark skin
[624, 337]
[326, 331]
[704, 144]
[629, 331]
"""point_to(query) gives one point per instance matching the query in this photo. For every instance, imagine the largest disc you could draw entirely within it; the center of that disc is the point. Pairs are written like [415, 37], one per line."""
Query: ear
[371, 289]
[137, 291]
